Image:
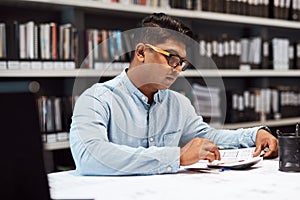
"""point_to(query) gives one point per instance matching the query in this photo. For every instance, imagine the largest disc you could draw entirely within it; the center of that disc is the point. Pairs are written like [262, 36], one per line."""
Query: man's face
[156, 73]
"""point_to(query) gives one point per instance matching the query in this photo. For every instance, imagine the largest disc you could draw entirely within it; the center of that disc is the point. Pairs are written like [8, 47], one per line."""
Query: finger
[273, 149]
[210, 157]
[216, 152]
[257, 150]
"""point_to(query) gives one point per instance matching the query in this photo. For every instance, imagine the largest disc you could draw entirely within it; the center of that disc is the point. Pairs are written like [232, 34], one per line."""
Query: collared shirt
[115, 131]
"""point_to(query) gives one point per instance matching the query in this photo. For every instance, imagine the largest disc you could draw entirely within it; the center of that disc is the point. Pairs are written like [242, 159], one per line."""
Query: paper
[230, 158]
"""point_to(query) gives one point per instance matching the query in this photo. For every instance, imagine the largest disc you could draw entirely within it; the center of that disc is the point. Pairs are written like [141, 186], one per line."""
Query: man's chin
[164, 86]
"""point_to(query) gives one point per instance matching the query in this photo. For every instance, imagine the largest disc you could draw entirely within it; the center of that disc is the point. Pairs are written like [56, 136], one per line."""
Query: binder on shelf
[206, 101]
[13, 38]
[295, 10]
[291, 56]
[266, 55]
[297, 58]
[22, 45]
[3, 47]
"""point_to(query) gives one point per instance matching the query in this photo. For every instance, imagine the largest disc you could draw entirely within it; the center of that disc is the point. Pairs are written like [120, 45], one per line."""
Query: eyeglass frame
[169, 55]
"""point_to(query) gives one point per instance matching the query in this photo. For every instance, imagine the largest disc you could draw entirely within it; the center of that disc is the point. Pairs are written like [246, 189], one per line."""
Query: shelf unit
[196, 15]
[111, 73]
[136, 11]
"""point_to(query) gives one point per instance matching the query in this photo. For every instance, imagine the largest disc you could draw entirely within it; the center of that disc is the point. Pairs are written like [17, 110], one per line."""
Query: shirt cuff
[173, 166]
[256, 131]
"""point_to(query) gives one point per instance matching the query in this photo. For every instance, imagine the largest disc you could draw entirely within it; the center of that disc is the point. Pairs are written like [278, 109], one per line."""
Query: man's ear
[140, 52]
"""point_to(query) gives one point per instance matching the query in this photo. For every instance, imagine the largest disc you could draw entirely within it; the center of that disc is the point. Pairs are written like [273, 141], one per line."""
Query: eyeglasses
[173, 59]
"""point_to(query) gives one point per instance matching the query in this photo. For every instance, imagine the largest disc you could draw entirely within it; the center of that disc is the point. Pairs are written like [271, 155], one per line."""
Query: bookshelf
[92, 5]
[111, 73]
[84, 14]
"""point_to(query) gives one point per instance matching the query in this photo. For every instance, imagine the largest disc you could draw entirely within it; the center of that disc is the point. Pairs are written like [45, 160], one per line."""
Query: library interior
[242, 69]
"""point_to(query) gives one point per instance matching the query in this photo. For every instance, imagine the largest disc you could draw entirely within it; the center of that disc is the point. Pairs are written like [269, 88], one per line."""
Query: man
[133, 124]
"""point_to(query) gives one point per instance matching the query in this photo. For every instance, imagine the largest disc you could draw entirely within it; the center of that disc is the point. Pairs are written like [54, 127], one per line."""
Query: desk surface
[263, 181]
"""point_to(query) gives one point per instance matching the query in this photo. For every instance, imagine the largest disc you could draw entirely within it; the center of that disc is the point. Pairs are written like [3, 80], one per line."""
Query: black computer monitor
[23, 173]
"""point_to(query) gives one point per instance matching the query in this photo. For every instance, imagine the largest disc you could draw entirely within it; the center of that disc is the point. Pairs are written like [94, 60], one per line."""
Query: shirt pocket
[171, 139]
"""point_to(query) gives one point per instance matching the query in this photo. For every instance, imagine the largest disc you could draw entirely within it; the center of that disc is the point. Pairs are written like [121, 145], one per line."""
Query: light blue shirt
[114, 130]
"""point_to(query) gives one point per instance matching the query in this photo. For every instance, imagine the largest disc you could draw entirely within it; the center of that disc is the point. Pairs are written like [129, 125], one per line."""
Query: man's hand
[265, 139]
[198, 149]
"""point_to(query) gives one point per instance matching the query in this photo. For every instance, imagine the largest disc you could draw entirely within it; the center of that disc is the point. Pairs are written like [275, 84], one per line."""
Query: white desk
[264, 181]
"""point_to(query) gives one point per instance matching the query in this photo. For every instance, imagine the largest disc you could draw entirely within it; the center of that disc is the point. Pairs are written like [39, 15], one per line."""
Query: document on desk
[230, 159]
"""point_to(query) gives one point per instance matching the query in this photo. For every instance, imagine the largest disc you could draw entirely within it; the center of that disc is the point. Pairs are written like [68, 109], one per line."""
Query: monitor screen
[23, 173]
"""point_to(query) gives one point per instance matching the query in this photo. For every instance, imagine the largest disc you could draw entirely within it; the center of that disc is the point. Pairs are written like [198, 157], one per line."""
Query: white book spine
[30, 40]
[22, 44]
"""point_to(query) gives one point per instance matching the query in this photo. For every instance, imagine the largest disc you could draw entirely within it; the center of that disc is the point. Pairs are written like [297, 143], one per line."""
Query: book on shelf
[2, 41]
[297, 55]
[55, 117]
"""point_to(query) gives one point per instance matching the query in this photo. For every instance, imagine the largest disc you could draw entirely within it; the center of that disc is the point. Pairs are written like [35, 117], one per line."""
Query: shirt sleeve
[94, 154]
[229, 139]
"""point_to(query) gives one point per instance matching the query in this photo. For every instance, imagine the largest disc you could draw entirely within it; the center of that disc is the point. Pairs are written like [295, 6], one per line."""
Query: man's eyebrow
[172, 51]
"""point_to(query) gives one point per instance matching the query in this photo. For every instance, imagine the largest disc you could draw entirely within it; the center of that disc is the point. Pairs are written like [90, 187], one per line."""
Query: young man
[133, 124]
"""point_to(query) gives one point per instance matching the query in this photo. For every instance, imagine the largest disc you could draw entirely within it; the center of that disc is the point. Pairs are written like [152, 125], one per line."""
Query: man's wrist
[266, 129]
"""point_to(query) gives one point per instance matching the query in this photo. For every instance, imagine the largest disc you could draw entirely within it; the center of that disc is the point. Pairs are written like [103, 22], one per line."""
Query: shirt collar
[158, 97]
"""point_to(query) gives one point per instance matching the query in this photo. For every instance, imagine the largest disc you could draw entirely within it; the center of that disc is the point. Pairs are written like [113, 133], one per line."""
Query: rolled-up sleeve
[196, 127]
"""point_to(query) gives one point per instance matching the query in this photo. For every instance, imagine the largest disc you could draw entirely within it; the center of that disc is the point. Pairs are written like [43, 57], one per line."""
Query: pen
[264, 151]
[297, 130]
[278, 132]
[222, 169]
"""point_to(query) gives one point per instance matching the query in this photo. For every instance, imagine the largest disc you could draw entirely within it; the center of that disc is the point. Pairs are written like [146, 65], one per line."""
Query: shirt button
[169, 168]
[151, 139]
[144, 98]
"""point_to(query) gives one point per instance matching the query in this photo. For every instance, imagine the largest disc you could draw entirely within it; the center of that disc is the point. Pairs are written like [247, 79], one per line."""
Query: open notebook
[23, 174]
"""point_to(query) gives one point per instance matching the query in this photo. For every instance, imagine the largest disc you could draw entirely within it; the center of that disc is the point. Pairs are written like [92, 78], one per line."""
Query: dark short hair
[158, 27]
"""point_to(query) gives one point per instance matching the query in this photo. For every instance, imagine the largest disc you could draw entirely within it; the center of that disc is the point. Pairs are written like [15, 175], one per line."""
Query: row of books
[31, 41]
[153, 3]
[255, 104]
[279, 9]
[106, 46]
[53, 44]
[263, 104]
[250, 53]
[55, 117]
